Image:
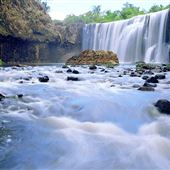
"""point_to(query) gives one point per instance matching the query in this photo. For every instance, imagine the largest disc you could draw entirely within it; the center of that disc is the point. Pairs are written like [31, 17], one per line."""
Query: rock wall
[28, 35]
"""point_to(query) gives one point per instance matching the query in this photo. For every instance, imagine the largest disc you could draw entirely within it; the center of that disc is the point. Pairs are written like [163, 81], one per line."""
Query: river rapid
[98, 122]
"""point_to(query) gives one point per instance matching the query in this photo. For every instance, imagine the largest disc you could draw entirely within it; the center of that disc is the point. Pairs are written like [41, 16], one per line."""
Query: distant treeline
[96, 15]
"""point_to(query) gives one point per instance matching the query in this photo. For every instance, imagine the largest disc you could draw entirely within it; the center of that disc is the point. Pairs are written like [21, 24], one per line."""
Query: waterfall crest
[141, 38]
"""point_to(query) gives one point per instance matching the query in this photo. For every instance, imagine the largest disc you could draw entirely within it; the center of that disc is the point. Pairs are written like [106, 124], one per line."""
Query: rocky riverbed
[60, 117]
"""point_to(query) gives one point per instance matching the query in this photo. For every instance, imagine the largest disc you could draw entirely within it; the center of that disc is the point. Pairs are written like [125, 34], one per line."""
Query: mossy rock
[90, 57]
[143, 65]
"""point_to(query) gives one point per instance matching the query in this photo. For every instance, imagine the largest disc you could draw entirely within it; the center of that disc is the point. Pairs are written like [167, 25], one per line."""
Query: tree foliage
[96, 15]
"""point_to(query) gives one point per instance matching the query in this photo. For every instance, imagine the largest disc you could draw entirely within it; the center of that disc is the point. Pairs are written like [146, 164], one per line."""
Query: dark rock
[124, 72]
[19, 95]
[140, 71]
[146, 84]
[152, 80]
[75, 72]
[92, 67]
[72, 79]
[163, 106]
[120, 75]
[65, 66]
[58, 71]
[102, 70]
[166, 68]
[134, 74]
[148, 72]
[2, 97]
[136, 86]
[145, 77]
[26, 78]
[145, 88]
[160, 76]
[43, 79]
[69, 71]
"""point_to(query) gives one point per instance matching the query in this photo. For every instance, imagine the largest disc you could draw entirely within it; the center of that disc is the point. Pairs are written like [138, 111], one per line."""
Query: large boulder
[163, 106]
[91, 57]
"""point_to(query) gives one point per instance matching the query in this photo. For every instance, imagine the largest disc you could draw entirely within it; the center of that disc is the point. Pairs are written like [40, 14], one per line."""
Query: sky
[59, 9]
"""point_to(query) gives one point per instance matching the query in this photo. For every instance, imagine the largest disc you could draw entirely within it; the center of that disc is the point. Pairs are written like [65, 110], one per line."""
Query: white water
[141, 38]
[82, 125]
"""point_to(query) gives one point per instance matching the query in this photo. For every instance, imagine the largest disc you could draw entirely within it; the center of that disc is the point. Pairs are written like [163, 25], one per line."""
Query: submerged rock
[92, 67]
[65, 66]
[69, 71]
[146, 84]
[152, 80]
[2, 97]
[160, 76]
[20, 95]
[43, 79]
[72, 79]
[146, 88]
[163, 106]
[145, 77]
[75, 72]
[94, 57]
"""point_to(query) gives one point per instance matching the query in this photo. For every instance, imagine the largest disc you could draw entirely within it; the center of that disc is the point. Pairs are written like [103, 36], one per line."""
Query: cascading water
[142, 38]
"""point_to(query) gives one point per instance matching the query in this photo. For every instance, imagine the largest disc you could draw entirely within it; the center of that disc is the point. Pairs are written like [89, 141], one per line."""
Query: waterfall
[141, 38]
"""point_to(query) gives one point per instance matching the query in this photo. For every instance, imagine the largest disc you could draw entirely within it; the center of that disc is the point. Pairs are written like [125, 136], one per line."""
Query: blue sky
[60, 8]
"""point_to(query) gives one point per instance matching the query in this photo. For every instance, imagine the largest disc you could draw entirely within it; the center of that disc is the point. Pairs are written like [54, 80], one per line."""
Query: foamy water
[99, 122]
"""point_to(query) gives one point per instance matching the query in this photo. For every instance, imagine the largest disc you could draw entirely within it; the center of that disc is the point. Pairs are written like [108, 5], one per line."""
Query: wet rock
[145, 88]
[102, 70]
[146, 84]
[92, 67]
[166, 68]
[20, 95]
[134, 74]
[58, 71]
[152, 80]
[145, 77]
[163, 106]
[124, 72]
[160, 76]
[136, 86]
[75, 72]
[43, 79]
[72, 79]
[21, 82]
[148, 72]
[69, 71]
[65, 66]
[2, 97]
[26, 78]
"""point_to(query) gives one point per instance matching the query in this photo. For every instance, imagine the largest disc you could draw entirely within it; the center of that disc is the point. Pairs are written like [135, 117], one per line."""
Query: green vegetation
[97, 16]
[1, 62]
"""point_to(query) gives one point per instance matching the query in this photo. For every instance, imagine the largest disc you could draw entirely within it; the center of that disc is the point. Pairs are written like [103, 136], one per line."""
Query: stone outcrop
[94, 57]
[26, 20]
[27, 34]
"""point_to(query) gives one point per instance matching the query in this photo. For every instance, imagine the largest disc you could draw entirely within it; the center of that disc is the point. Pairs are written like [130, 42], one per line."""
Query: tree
[129, 10]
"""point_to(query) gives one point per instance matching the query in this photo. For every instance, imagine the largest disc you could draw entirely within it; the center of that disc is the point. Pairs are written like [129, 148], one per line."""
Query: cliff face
[27, 34]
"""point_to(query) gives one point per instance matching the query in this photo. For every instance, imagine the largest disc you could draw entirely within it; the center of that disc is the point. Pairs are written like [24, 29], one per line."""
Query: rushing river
[99, 122]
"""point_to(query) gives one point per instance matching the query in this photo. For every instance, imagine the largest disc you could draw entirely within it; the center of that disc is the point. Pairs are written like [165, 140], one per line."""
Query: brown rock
[91, 57]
